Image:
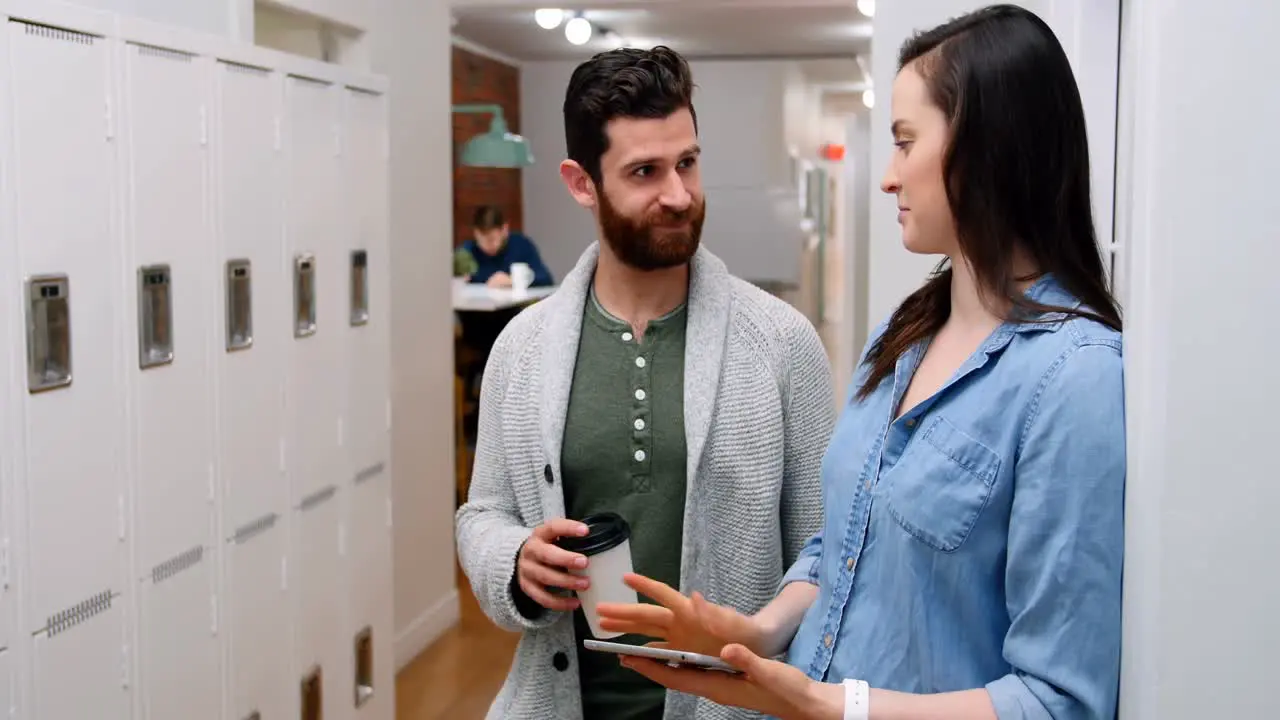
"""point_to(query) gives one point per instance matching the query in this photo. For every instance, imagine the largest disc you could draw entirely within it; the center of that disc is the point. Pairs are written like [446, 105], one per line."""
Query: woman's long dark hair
[1016, 171]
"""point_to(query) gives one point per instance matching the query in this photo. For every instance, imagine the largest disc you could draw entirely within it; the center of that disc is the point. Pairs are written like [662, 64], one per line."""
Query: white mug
[521, 276]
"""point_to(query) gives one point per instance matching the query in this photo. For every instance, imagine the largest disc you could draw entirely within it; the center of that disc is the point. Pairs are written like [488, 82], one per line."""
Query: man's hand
[542, 565]
[499, 280]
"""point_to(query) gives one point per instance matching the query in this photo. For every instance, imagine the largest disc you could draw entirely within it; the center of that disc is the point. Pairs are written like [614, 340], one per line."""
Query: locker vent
[177, 564]
[317, 498]
[363, 91]
[254, 528]
[369, 473]
[164, 53]
[78, 613]
[244, 69]
[53, 33]
[303, 80]
[255, 715]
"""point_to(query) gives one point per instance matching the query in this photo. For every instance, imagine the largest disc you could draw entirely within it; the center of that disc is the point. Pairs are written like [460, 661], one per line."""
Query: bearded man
[654, 385]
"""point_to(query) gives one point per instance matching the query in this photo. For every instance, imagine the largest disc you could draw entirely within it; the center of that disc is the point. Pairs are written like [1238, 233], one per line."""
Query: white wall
[749, 114]
[1201, 577]
[409, 43]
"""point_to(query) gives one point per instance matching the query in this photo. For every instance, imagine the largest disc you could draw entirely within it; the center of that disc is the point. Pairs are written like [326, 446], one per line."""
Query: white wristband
[857, 700]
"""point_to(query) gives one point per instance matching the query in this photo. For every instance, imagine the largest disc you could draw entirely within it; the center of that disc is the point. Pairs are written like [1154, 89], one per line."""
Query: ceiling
[755, 28]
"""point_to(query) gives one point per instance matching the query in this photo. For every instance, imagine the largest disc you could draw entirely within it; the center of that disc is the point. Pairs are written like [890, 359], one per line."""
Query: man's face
[650, 204]
[491, 241]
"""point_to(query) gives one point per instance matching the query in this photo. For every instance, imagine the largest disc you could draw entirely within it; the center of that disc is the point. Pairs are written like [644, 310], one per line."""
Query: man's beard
[658, 241]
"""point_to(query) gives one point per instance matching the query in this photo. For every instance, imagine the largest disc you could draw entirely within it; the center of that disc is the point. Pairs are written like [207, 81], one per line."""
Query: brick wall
[478, 79]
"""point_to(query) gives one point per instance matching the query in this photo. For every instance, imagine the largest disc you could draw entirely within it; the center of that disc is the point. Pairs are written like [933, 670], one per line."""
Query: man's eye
[688, 162]
[643, 171]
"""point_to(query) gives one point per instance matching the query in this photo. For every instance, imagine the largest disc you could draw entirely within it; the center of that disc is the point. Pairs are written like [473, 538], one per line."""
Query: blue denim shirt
[978, 540]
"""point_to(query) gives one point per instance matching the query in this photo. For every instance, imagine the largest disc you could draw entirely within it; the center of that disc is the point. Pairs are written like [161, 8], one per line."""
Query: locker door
[371, 658]
[318, 306]
[72, 393]
[255, 337]
[317, 465]
[171, 260]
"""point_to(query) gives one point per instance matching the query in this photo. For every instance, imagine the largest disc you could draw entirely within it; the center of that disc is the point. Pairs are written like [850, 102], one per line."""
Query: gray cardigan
[759, 410]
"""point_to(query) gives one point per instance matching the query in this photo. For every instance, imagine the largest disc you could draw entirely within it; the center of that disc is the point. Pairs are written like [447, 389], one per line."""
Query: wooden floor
[458, 676]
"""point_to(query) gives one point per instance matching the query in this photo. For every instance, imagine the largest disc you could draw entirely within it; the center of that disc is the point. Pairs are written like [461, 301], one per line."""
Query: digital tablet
[671, 657]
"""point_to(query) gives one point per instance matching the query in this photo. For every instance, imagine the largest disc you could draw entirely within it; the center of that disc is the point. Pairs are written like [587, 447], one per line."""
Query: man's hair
[488, 218]
[628, 83]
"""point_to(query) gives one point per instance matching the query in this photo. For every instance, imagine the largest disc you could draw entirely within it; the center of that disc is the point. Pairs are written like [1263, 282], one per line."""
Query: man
[496, 249]
[653, 384]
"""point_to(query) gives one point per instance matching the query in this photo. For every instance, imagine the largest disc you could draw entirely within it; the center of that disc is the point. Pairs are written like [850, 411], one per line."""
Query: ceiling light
[869, 98]
[867, 7]
[548, 18]
[577, 31]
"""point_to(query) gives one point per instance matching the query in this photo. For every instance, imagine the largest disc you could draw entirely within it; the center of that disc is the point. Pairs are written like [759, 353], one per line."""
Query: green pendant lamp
[498, 148]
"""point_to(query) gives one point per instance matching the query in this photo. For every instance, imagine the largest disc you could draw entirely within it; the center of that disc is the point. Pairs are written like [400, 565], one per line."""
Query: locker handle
[48, 332]
[359, 287]
[239, 305]
[304, 295]
[155, 316]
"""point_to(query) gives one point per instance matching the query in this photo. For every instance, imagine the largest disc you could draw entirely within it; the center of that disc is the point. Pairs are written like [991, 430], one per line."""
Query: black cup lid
[605, 531]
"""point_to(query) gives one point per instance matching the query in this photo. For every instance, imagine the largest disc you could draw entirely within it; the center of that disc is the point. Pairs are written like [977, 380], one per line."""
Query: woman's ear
[579, 184]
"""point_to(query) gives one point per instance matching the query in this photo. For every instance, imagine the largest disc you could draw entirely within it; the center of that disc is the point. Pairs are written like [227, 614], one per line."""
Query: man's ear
[579, 184]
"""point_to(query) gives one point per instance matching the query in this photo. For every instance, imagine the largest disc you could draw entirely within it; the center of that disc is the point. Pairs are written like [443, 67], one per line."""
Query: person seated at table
[496, 249]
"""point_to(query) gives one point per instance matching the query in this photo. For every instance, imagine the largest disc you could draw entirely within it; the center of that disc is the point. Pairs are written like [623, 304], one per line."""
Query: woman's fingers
[636, 612]
[627, 627]
[659, 592]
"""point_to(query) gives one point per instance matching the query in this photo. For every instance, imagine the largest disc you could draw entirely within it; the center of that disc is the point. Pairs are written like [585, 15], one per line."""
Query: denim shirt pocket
[939, 487]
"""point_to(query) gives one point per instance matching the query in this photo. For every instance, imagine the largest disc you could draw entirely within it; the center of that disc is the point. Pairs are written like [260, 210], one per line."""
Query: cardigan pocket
[939, 487]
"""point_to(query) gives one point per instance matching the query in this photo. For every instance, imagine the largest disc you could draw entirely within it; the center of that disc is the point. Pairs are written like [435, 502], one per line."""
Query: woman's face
[914, 175]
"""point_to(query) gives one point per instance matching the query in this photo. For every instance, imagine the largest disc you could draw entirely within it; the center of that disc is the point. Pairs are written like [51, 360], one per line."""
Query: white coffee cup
[607, 546]
[521, 276]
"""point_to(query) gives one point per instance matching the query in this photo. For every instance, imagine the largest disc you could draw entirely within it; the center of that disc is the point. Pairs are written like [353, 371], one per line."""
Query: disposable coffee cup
[521, 276]
[607, 546]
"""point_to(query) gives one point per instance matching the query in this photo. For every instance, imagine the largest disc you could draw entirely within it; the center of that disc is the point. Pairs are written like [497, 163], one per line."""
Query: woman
[970, 560]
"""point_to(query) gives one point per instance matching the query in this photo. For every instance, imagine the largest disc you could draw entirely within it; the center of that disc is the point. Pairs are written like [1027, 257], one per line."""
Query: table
[474, 297]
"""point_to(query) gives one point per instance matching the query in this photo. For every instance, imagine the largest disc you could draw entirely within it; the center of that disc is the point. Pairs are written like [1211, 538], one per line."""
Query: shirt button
[639, 424]
[560, 661]
[639, 394]
[640, 362]
[849, 563]
[639, 456]
[827, 640]
[868, 484]
[626, 337]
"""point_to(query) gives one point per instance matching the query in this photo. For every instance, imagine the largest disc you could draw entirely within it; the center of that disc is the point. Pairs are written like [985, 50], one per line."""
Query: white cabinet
[72, 438]
[194, 431]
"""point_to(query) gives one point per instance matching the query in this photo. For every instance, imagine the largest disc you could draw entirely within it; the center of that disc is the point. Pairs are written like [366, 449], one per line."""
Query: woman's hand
[767, 686]
[684, 623]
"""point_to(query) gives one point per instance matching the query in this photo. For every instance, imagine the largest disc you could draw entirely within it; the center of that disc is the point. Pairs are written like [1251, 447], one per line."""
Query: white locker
[255, 337]
[73, 435]
[316, 462]
[320, 604]
[369, 575]
[170, 259]
[318, 304]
